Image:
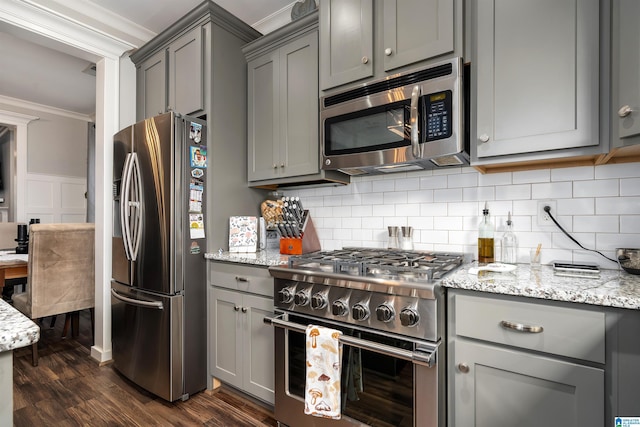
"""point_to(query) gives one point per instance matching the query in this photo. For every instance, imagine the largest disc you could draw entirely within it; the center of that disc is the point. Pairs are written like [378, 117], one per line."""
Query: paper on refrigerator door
[196, 226]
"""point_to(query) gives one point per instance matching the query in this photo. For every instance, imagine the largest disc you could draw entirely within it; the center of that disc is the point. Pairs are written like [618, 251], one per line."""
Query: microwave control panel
[438, 115]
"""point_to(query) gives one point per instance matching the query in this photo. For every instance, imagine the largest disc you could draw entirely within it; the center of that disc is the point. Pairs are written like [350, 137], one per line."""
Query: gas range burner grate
[380, 263]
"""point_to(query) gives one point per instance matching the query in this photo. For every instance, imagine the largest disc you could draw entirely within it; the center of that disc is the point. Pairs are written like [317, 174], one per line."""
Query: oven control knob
[339, 308]
[301, 298]
[360, 311]
[285, 295]
[409, 317]
[385, 313]
[318, 301]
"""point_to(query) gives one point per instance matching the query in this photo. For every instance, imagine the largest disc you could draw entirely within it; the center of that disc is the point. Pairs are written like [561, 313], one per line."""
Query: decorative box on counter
[298, 239]
[243, 234]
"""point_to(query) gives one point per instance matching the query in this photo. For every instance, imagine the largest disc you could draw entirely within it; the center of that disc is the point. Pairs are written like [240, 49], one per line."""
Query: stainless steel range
[390, 309]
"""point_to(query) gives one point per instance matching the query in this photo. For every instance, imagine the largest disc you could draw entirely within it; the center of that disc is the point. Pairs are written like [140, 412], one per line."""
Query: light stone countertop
[611, 288]
[261, 258]
[16, 329]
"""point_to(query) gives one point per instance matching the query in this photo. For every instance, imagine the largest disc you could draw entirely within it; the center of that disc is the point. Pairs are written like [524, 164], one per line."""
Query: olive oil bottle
[486, 232]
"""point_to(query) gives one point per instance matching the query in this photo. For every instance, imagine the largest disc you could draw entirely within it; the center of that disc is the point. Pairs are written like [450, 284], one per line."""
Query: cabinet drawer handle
[241, 279]
[520, 327]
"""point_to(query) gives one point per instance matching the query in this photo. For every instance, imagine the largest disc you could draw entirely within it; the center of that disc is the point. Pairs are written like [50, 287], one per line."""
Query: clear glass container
[486, 231]
[509, 244]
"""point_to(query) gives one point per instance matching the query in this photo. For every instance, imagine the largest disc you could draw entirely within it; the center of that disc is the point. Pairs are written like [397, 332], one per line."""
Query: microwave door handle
[413, 120]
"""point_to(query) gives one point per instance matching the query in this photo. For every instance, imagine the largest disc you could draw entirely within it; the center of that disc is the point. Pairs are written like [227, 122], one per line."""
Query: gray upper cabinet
[282, 114]
[151, 86]
[172, 79]
[360, 39]
[625, 79]
[535, 88]
[186, 80]
[283, 110]
[346, 45]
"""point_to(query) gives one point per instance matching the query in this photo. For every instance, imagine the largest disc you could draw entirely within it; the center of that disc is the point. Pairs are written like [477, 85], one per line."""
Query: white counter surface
[611, 288]
[16, 329]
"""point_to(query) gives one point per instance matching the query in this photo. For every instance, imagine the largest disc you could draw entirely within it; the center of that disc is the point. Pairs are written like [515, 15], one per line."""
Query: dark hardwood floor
[68, 388]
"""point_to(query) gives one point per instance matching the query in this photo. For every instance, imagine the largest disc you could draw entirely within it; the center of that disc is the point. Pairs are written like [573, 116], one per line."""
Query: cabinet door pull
[241, 279]
[463, 367]
[244, 309]
[520, 327]
[236, 308]
[624, 111]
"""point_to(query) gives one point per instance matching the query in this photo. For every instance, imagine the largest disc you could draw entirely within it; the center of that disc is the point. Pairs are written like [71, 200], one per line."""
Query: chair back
[9, 234]
[61, 270]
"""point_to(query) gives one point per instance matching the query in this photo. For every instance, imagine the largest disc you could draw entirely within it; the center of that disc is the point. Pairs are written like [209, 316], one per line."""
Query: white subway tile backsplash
[572, 174]
[513, 192]
[471, 194]
[448, 195]
[433, 182]
[584, 206]
[630, 187]
[597, 188]
[623, 170]
[618, 206]
[598, 224]
[528, 177]
[599, 206]
[486, 180]
[462, 180]
[630, 224]
[553, 190]
[420, 196]
[382, 186]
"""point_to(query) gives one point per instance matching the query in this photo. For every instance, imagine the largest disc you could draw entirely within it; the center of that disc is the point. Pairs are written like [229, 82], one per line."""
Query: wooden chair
[61, 272]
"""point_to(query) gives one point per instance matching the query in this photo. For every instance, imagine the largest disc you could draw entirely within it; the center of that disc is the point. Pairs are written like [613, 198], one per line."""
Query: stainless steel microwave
[409, 121]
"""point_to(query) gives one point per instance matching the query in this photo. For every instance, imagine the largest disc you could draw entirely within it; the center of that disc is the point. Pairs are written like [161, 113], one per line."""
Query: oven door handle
[425, 353]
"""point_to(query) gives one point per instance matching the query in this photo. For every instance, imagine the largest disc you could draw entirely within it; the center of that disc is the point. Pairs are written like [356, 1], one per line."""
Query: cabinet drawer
[555, 329]
[255, 280]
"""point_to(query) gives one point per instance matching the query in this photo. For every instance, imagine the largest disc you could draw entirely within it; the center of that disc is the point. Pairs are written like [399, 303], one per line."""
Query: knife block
[308, 242]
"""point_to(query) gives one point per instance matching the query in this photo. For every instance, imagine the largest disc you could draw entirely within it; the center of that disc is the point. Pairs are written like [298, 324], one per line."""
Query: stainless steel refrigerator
[158, 287]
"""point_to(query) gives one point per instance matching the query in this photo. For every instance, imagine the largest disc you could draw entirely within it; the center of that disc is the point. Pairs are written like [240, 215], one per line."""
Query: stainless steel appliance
[158, 289]
[389, 307]
[410, 121]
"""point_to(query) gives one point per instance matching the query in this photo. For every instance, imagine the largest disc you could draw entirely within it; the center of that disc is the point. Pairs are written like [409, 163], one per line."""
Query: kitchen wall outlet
[543, 216]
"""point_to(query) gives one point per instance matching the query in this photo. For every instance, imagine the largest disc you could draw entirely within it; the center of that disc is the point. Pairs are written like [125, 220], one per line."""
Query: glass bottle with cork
[486, 231]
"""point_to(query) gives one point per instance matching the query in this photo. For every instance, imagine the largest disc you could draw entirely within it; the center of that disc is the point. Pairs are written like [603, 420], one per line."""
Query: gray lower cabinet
[241, 345]
[372, 38]
[536, 88]
[516, 362]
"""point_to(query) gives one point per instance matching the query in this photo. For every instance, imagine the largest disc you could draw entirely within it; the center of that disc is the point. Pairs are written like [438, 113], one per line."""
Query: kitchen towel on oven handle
[324, 357]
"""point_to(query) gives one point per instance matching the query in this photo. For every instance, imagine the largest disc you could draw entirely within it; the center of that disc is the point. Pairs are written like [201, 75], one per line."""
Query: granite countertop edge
[264, 258]
[16, 329]
[610, 288]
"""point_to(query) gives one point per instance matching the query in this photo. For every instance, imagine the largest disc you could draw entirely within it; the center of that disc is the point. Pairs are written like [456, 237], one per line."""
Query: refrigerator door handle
[140, 303]
[130, 216]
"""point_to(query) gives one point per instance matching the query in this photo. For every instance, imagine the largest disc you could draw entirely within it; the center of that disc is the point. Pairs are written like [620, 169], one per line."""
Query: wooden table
[13, 269]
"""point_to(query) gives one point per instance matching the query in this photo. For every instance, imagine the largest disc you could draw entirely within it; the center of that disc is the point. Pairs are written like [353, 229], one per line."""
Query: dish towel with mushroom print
[322, 388]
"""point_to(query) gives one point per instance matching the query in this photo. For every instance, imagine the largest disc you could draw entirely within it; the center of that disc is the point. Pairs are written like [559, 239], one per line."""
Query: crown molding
[274, 21]
[32, 106]
[49, 19]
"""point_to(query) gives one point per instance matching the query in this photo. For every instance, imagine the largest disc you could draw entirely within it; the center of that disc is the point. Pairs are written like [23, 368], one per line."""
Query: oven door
[383, 377]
